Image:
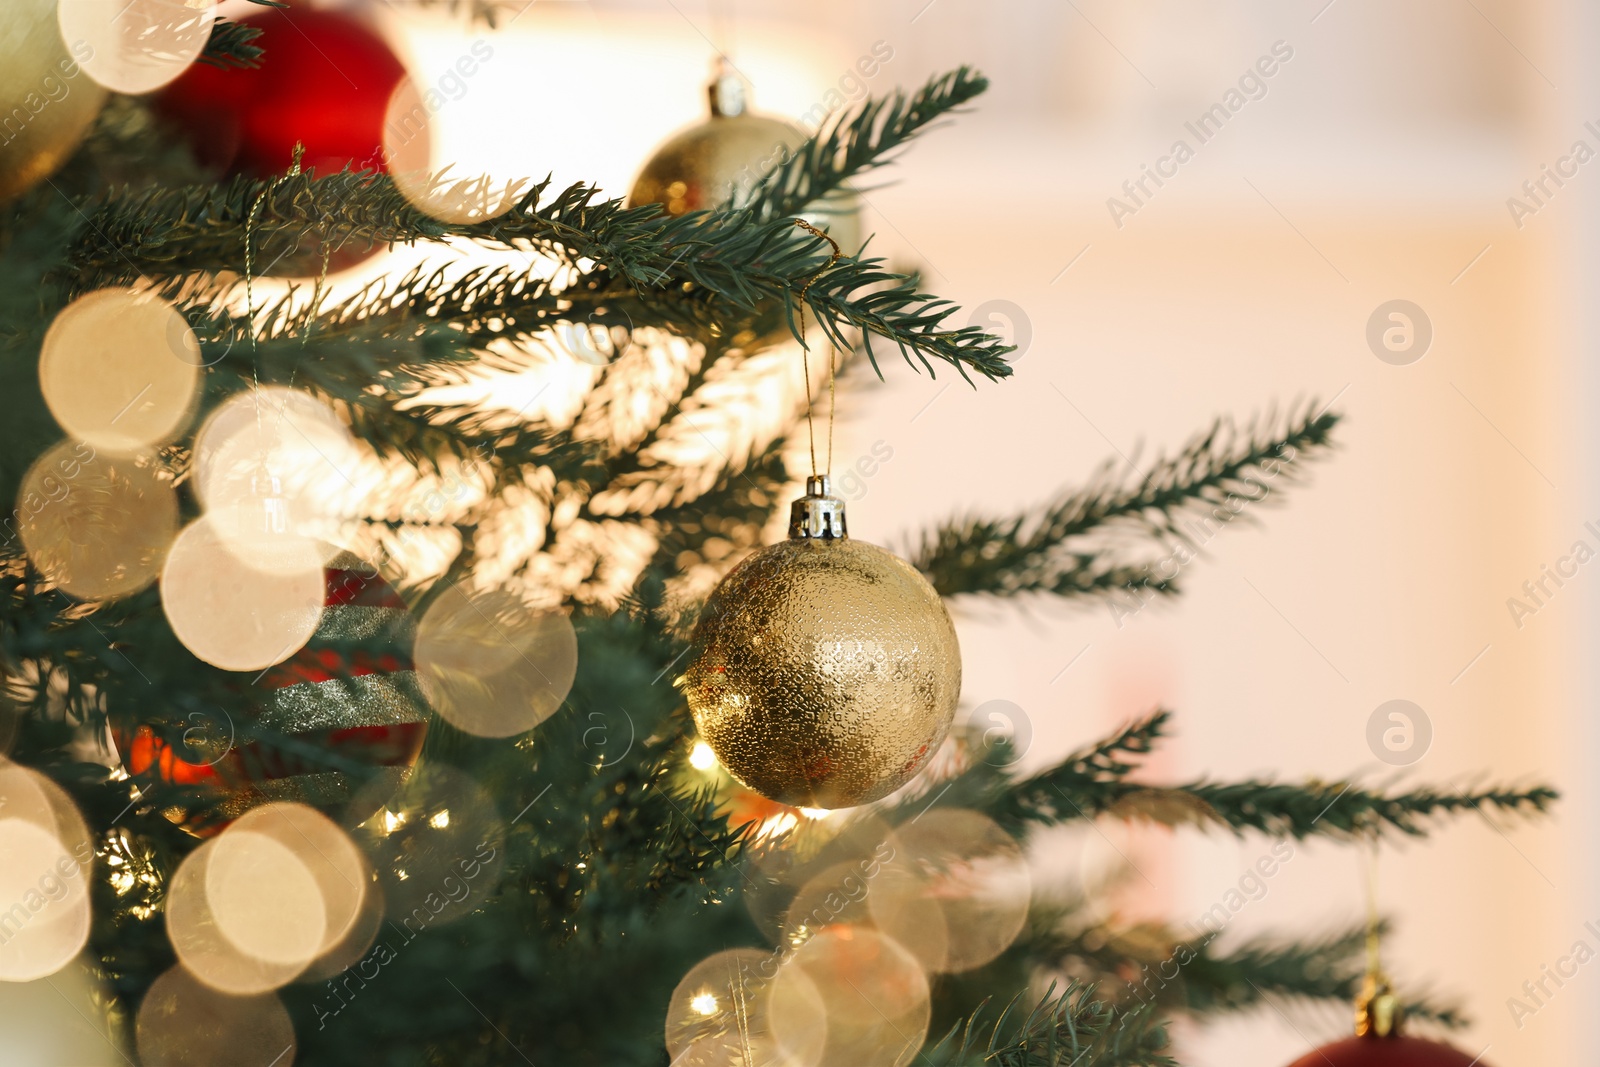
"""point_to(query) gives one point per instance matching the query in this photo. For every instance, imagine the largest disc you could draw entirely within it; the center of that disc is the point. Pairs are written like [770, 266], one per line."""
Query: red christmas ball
[324, 82]
[339, 706]
[1393, 1051]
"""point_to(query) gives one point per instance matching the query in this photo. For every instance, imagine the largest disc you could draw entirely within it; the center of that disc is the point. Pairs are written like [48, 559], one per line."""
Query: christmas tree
[537, 882]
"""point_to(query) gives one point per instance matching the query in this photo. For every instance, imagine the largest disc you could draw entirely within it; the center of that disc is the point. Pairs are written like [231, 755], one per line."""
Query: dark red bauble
[1386, 1052]
[355, 717]
[324, 82]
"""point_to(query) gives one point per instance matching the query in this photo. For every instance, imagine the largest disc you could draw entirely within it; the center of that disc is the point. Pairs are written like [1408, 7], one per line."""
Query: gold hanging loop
[833, 352]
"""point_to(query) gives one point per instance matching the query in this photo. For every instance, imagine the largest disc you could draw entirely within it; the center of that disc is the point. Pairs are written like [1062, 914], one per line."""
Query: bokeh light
[273, 447]
[45, 858]
[96, 525]
[438, 845]
[265, 900]
[202, 946]
[775, 875]
[233, 614]
[959, 864]
[43, 924]
[339, 869]
[492, 666]
[59, 1020]
[721, 1013]
[836, 894]
[119, 368]
[409, 150]
[184, 1023]
[873, 991]
[136, 46]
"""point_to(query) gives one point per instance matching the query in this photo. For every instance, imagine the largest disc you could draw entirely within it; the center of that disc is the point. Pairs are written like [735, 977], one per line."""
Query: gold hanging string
[805, 358]
[1370, 856]
[1378, 1012]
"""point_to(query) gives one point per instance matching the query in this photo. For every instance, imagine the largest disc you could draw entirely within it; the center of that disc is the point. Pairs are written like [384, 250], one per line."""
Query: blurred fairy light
[816, 813]
[440, 819]
[183, 1021]
[136, 46]
[45, 858]
[279, 890]
[97, 525]
[393, 820]
[231, 612]
[724, 1012]
[491, 665]
[120, 368]
[701, 758]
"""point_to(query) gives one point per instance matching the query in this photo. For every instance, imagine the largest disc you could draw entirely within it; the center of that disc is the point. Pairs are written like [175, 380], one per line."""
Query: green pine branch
[1120, 535]
[1328, 969]
[232, 45]
[859, 139]
[1068, 1029]
[1095, 781]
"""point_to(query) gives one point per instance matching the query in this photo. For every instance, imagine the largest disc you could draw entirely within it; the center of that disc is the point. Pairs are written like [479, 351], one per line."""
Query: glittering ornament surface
[826, 672]
[342, 705]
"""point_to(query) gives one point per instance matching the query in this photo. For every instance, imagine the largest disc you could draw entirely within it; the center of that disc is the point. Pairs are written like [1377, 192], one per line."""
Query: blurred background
[1363, 214]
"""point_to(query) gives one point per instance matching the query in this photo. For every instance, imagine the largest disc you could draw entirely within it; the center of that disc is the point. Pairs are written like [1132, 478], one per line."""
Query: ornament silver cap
[819, 515]
[726, 91]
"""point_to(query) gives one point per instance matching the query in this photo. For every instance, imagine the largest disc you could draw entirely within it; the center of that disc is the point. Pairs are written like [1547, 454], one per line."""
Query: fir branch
[232, 45]
[703, 270]
[858, 140]
[1338, 809]
[1329, 969]
[1187, 498]
[1069, 1029]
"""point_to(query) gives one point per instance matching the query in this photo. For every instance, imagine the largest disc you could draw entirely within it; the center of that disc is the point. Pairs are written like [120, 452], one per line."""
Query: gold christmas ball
[826, 670]
[47, 101]
[720, 160]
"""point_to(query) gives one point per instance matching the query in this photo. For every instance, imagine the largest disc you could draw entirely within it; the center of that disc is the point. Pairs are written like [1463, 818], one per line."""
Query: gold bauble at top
[47, 101]
[825, 672]
[722, 158]
[714, 162]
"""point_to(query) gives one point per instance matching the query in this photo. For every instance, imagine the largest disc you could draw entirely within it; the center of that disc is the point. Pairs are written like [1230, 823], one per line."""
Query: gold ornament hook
[1378, 1010]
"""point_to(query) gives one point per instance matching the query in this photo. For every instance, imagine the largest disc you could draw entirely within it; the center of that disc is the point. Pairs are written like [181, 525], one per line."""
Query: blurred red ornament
[339, 705]
[1392, 1051]
[324, 82]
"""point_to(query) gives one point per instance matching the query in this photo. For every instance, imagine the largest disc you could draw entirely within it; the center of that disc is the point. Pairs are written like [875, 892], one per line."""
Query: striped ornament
[337, 707]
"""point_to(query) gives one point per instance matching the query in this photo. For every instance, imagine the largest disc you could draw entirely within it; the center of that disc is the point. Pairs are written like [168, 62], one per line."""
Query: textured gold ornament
[826, 669]
[46, 100]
